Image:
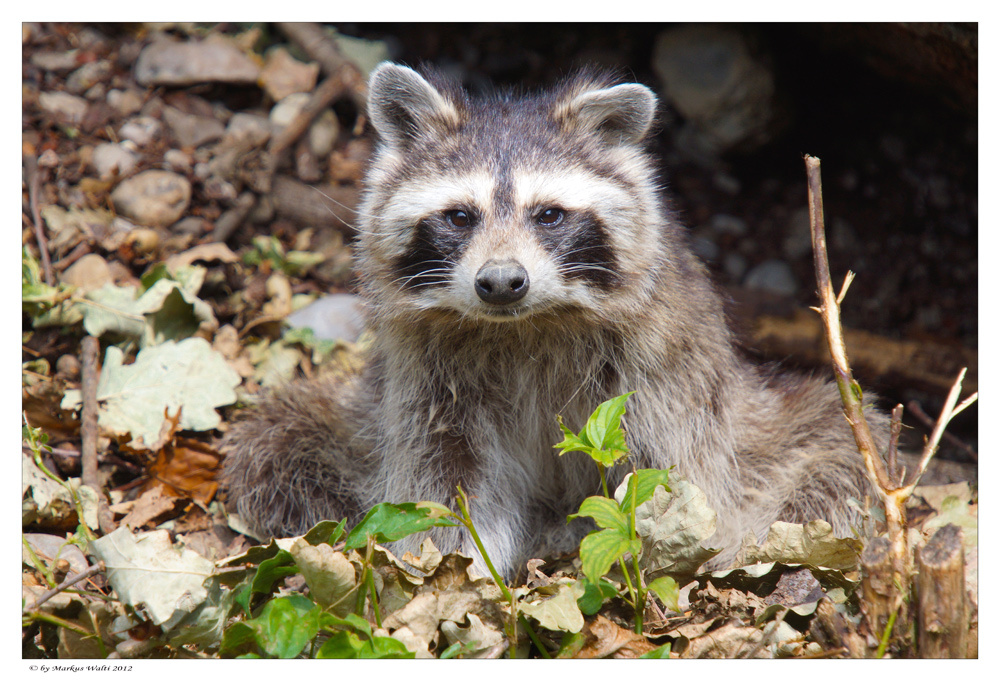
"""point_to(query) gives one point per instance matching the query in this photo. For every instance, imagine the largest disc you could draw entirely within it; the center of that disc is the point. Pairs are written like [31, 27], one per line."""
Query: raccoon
[517, 260]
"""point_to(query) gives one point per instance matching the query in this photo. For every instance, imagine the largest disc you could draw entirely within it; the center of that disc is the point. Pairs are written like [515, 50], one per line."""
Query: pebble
[125, 102]
[285, 111]
[336, 316]
[89, 273]
[177, 160]
[88, 76]
[155, 198]
[323, 134]
[798, 237]
[69, 108]
[283, 75]
[143, 130]
[190, 130]
[735, 265]
[722, 223]
[715, 82]
[113, 159]
[68, 367]
[248, 129]
[772, 275]
[55, 61]
[215, 59]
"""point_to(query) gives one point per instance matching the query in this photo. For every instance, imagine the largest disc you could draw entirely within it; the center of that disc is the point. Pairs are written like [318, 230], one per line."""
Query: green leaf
[385, 648]
[572, 442]
[271, 570]
[647, 480]
[238, 640]
[604, 426]
[325, 532]
[605, 513]
[600, 550]
[344, 645]
[667, 590]
[594, 596]
[390, 522]
[661, 653]
[286, 625]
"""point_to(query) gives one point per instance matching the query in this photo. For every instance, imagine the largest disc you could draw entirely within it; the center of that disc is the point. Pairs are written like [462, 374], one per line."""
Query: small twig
[67, 583]
[316, 43]
[916, 410]
[34, 184]
[895, 427]
[89, 349]
[58, 451]
[324, 95]
[230, 221]
[82, 249]
[948, 412]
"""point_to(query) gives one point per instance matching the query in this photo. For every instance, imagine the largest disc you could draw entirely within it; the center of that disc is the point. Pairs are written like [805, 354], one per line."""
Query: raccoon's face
[502, 209]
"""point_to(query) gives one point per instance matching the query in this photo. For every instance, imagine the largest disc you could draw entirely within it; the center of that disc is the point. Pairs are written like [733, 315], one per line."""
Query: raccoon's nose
[500, 283]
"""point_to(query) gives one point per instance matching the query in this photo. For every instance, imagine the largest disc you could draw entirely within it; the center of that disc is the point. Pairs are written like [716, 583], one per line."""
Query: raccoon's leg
[301, 457]
[806, 465]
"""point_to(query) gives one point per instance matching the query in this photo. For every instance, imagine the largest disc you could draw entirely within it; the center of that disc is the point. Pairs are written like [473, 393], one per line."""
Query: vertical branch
[89, 349]
[34, 181]
[850, 391]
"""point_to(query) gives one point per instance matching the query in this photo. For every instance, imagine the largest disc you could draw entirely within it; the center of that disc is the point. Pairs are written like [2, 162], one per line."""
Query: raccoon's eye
[460, 219]
[550, 217]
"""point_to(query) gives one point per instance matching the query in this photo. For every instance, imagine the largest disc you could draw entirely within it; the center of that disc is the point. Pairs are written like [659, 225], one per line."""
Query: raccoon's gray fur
[517, 262]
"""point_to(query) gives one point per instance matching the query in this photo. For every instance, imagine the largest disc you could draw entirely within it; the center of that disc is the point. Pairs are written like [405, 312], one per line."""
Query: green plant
[603, 439]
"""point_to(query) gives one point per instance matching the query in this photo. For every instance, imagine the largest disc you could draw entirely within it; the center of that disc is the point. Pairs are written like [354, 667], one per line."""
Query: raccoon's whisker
[332, 200]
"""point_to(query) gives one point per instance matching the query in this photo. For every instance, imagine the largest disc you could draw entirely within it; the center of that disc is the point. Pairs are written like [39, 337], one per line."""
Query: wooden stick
[89, 349]
[34, 186]
[880, 593]
[943, 608]
[67, 583]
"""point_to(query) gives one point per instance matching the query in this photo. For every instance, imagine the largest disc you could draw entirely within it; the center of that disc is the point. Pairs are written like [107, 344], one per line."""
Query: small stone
[283, 75]
[247, 129]
[336, 316]
[55, 61]
[88, 75]
[798, 237]
[125, 102]
[734, 265]
[89, 273]
[177, 160]
[112, 160]
[772, 275]
[68, 367]
[98, 92]
[68, 108]
[191, 225]
[215, 59]
[721, 223]
[190, 130]
[323, 134]
[713, 78]
[143, 130]
[727, 183]
[156, 198]
[285, 111]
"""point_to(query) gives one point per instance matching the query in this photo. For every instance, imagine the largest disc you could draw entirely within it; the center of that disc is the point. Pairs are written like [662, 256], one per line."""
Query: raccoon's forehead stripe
[422, 196]
[572, 189]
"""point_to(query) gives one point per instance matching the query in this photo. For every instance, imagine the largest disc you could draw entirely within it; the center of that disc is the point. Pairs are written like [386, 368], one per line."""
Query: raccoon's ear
[622, 114]
[403, 106]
